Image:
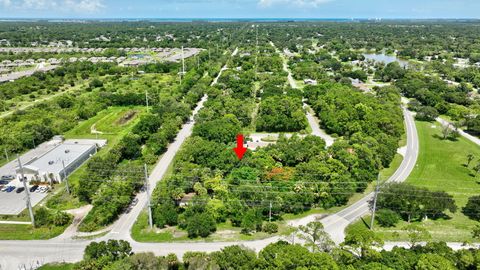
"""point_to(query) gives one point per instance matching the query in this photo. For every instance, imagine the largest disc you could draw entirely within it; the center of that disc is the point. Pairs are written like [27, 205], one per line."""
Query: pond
[387, 59]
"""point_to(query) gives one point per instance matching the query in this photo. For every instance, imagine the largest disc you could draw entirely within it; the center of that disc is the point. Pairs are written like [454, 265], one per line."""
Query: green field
[27, 232]
[441, 165]
[107, 121]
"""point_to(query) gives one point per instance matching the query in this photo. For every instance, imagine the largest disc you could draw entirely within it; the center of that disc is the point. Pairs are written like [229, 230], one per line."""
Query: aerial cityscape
[227, 134]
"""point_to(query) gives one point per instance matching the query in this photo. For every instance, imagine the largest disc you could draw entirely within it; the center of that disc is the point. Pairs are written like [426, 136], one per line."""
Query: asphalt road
[316, 130]
[20, 74]
[335, 224]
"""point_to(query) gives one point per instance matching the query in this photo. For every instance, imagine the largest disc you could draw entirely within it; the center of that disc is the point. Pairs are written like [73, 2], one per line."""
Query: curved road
[335, 224]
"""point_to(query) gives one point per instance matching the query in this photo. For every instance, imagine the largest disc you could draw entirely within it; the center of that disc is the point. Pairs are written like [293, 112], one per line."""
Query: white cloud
[75, 6]
[5, 3]
[298, 3]
[84, 5]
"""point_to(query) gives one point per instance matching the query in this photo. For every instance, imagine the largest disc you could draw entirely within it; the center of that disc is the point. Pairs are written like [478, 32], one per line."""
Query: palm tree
[470, 158]
[477, 169]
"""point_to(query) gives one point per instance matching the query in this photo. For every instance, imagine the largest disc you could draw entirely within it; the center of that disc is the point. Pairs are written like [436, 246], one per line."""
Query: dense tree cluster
[372, 123]
[413, 203]
[281, 114]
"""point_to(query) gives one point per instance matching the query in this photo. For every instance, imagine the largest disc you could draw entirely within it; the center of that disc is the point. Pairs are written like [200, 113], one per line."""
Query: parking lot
[13, 203]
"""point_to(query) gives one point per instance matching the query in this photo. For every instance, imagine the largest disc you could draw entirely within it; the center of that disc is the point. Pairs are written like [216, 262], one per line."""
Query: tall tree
[315, 237]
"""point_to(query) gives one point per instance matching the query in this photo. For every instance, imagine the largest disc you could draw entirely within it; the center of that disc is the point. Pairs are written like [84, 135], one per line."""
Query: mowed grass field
[441, 165]
[28, 232]
[107, 121]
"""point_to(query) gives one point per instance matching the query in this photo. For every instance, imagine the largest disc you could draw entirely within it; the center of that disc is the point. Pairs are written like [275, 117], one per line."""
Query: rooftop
[69, 151]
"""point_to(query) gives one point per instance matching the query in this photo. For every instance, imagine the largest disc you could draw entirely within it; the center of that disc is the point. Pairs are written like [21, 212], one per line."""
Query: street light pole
[375, 196]
[270, 213]
[146, 98]
[149, 205]
[24, 181]
[6, 154]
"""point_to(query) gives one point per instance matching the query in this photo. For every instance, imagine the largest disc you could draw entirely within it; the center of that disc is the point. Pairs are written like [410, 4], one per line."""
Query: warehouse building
[60, 161]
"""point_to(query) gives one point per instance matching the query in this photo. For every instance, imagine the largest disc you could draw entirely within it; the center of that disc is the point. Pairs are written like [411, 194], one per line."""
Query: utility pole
[6, 154]
[149, 205]
[183, 62]
[65, 177]
[24, 181]
[377, 188]
[256, 47]
[146, 99]
[270, 213]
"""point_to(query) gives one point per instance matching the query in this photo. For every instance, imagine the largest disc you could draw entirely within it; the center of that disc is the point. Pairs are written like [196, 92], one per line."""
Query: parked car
[20, 189]
[43, 189]
[8, 177]
[134, 202]
[33, 188]
[10, 189]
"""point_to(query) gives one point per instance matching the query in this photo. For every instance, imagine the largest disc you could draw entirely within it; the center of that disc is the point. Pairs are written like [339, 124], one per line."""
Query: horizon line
[238, 18]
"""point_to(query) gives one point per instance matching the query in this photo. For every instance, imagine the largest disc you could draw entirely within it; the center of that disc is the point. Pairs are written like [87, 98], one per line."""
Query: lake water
[387, 59]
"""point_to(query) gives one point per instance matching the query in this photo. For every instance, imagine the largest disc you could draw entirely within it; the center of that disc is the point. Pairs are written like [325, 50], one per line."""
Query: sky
[239, 8]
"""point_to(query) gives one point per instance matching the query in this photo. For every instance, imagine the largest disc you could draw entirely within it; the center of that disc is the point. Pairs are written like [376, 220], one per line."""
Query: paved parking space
[14, 203]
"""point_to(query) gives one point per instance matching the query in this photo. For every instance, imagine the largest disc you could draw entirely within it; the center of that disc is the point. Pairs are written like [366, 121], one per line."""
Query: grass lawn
[27, 232]
[441, 166]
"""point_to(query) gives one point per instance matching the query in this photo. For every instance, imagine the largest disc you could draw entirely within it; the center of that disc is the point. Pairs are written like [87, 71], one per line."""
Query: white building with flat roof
[49, 167]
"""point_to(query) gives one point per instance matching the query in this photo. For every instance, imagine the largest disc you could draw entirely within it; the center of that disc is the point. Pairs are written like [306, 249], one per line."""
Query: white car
[42, 189]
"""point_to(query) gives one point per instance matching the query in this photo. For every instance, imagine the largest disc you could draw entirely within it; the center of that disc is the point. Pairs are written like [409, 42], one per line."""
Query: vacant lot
[441, 165]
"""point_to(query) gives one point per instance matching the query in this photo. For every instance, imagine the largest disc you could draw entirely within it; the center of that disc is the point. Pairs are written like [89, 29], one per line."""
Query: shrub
[472, 209]
[270, 227]
[45, 217]
[42, 217]
[387, 218]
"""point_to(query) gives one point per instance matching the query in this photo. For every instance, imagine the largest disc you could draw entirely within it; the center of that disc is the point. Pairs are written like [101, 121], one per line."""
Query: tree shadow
[449, 138]
[365, 223]
[441, 216]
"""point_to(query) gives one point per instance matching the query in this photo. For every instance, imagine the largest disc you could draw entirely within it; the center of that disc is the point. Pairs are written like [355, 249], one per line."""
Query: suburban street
[314, 124]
